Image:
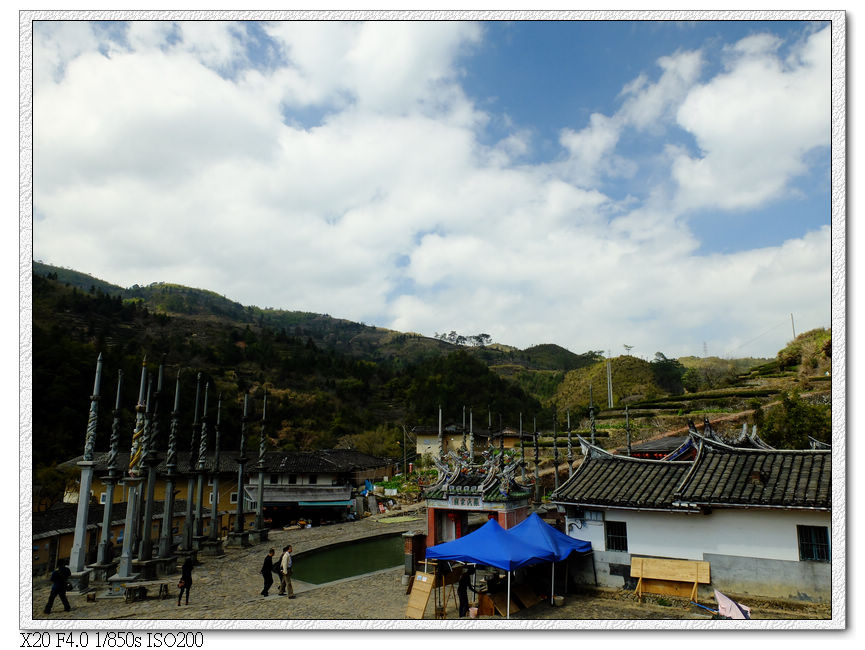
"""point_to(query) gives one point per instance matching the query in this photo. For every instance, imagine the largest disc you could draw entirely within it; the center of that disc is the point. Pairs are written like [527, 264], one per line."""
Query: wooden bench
[669, 577]
[138, 590]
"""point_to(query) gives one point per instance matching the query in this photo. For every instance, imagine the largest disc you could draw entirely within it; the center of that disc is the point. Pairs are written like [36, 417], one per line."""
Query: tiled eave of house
[60, 518]
[604, 479]
[732, 477]
[720, 476]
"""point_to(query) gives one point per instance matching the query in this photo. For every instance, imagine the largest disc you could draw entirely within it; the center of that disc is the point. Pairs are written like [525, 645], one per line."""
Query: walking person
[285, 575]
[185, 583]
[267, 572]
[280, 572]
[59, 583]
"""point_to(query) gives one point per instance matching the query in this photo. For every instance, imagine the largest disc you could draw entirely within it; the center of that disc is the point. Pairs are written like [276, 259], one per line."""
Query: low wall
[775, 579]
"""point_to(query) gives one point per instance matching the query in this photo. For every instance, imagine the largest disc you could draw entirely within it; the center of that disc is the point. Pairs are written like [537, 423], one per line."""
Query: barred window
[617, 535]
[813, 543]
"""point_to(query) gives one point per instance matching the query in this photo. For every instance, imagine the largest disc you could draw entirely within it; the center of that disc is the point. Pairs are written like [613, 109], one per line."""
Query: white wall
[769, 534]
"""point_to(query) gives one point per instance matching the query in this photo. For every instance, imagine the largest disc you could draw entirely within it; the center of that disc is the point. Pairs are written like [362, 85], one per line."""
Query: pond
[349, 560]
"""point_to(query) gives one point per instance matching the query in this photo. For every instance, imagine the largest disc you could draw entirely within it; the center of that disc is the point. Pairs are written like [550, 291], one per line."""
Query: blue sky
[593, 184]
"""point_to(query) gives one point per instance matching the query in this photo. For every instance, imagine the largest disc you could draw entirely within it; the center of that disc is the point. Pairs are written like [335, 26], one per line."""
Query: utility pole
[628, 428]
[793, 325]
[609, 384]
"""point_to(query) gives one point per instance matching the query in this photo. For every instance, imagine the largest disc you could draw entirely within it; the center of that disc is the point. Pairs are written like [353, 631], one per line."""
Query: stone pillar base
[146, 569]
[197, 541]
[165, 566]
[182, 555]
[211, 547]
[258, 535]
[116, 582]
[238, 539]
[80, 581]
[101, 572]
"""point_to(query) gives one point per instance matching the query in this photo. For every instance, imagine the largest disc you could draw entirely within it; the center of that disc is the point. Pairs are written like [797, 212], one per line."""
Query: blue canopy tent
[492, 545]
[534, 530]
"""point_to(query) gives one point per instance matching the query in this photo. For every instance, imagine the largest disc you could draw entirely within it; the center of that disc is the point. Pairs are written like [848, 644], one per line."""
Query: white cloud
[152, 163]
[754, 125]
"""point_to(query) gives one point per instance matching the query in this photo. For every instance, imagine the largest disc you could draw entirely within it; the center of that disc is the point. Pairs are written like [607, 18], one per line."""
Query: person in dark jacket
[463, 586]
[185, 580]
[59, 579]
[267, 572]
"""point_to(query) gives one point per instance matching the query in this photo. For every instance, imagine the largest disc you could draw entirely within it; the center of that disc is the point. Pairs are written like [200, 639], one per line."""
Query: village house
[760, 517]
[455, 438]
[315, 485]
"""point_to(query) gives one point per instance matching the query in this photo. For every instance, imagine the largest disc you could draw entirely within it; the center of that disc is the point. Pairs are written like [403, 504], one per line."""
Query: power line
[773, 327]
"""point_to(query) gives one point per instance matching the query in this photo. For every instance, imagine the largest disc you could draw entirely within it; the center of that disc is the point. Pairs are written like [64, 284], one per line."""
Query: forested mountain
[329, 381]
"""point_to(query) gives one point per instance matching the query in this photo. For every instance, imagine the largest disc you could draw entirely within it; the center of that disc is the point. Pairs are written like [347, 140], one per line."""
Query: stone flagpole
[201, 471]
[537, 469]
[260, 534]
[78, 555]
[102, 555]
[213, 544]
[239, 536]
[150, 461]
[166, 538]
[133, 481]
[555, 449]
[189, 523]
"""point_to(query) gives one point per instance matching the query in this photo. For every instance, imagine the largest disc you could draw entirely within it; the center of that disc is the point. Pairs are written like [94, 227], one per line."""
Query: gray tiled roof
[730, 476]
[720, 476]
[607, 480]
[60, 517]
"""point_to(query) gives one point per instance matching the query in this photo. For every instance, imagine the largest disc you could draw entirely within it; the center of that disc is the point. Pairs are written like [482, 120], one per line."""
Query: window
[813, 543]
[232, 498]
[313, 479]
[102, 497]
[617, 536]
[274, 479]
[292, 479]
[210, 498]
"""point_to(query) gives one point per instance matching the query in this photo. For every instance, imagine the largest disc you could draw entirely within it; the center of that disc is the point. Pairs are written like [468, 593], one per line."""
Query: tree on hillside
[383, 441]
[788, 425]
[668, 373]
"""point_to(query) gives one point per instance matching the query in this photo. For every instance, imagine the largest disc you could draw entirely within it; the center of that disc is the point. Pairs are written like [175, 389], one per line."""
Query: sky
[594, 184]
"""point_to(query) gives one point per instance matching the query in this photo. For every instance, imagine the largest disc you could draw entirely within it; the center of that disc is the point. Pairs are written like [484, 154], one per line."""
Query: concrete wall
[752, 552]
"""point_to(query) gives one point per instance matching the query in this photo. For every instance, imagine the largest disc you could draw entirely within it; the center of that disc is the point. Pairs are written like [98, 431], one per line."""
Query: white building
[760, 517]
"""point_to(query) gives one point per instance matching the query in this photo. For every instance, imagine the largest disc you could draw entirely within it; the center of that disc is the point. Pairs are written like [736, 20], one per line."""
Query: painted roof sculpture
[494, 480]
[743, 440]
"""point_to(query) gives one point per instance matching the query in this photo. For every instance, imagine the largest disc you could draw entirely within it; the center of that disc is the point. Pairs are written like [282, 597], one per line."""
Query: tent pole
[553, 581]
[509, 595]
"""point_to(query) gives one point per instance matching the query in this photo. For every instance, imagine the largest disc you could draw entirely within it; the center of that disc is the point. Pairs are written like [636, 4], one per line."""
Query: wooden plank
[485, 605]
[525, 595]
[500, 600]
[667, 588]
[422, 587]
[665, 569]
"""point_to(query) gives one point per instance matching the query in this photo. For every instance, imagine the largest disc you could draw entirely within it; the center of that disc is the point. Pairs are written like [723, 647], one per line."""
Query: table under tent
[530, 542]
